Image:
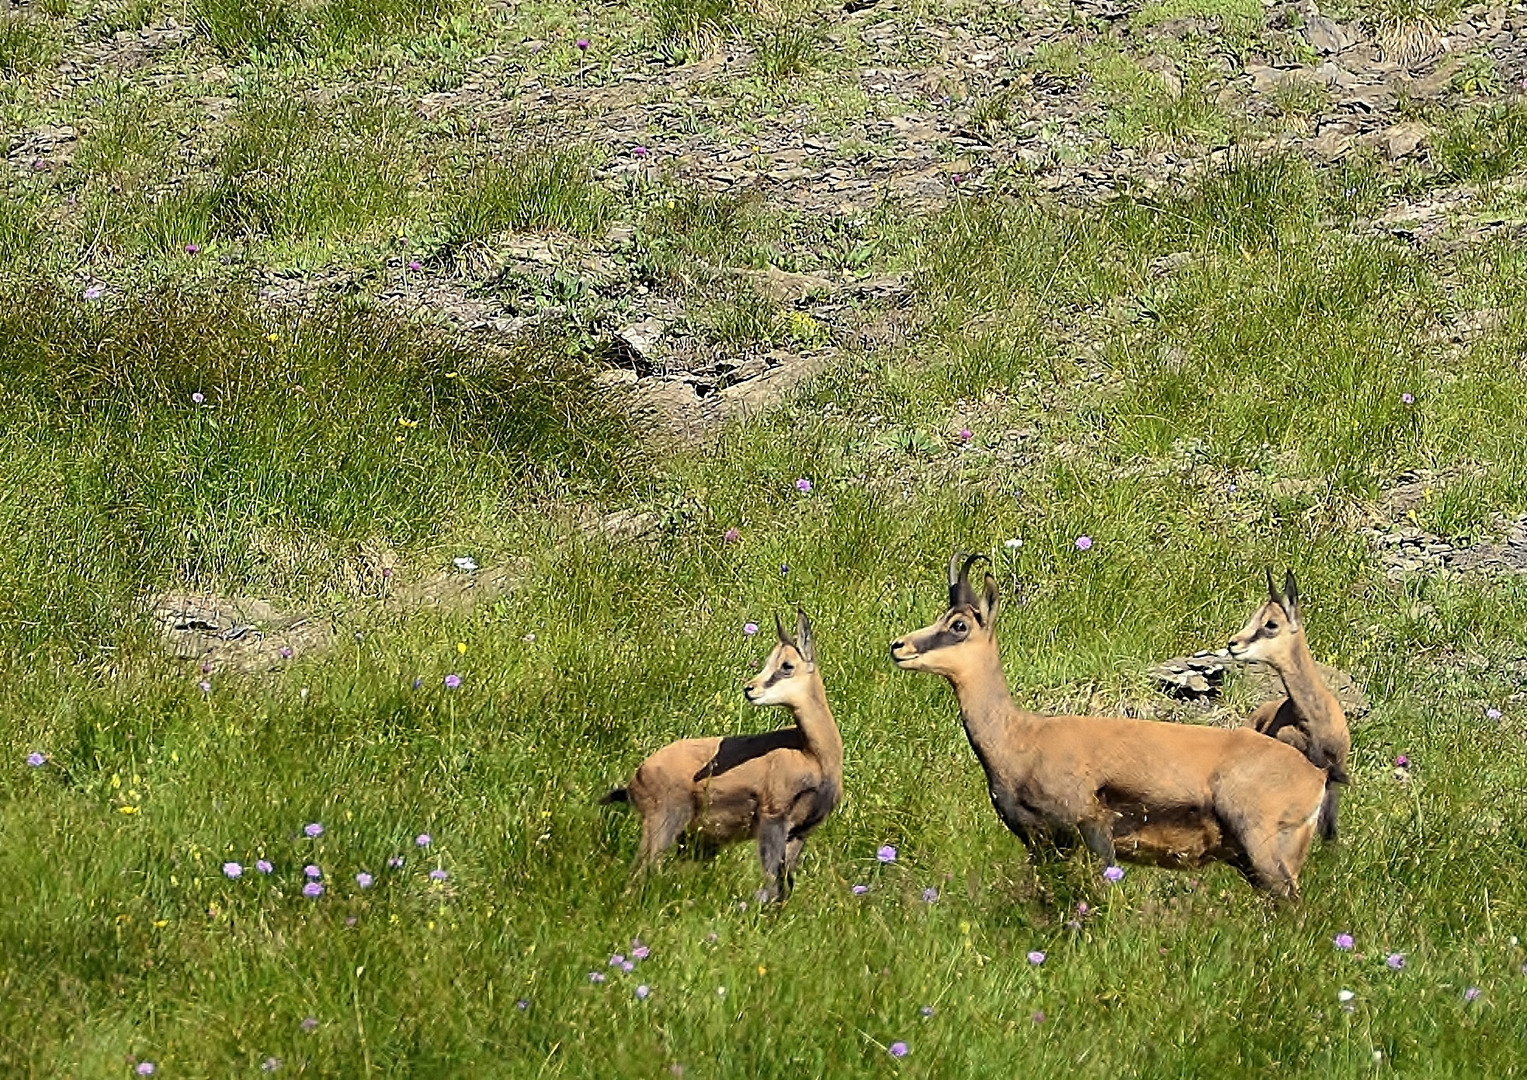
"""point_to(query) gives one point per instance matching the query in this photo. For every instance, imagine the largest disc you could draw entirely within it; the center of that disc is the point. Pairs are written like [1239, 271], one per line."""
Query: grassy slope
[1175, 416]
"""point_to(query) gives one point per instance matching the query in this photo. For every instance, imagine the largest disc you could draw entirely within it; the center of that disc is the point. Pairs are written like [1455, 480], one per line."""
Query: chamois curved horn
[779, 629]
[955, 574]
[1272, 590]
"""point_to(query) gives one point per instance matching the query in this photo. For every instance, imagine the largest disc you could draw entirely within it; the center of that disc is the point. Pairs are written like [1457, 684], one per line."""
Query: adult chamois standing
[1309, 719]
[777, 786]
[1165, 794]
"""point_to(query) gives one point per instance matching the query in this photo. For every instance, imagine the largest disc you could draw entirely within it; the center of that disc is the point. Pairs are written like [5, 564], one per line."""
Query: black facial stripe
[777, 675]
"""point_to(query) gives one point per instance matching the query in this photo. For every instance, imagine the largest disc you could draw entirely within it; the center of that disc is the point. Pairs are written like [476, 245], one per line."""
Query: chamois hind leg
[1275, 859]
[660, 829]
[1099, 840]
[1328, 805]
[792, 857]
[773, 845]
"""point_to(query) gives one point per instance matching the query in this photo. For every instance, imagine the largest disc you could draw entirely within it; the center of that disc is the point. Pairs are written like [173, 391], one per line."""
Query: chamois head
[947, 646]
[788, 676]
[1274, 628]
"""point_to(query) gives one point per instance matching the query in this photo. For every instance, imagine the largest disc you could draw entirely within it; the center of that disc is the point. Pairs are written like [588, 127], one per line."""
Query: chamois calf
[1165, 794]
[1309, 719]
[777, 786]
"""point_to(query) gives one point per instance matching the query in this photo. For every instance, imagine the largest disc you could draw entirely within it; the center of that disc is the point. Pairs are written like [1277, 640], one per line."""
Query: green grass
[1205, 382]
[26, 45]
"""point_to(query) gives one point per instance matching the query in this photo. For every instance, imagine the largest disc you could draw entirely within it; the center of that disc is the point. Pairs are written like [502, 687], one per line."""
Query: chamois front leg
[773, 845]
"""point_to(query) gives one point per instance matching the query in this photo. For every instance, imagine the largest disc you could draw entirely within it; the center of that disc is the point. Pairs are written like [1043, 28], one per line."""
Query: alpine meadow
[415, 415]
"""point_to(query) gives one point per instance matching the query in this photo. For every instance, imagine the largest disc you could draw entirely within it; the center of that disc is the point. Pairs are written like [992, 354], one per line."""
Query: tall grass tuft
[295, 167]
[536, 188]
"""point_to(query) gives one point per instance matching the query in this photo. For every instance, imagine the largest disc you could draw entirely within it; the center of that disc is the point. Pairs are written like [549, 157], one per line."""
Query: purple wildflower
[1084, 543]
[898, 1049]
[1402, 762]
[418, 682]
[145, 1068]
[423, 840]
[1343, 942]
[639, 151]
[1472, 993]
[731, 536]
[1038, 1017]
[313, 829]
[95, 292]
[205, 686]
[264, 866]
[966, 434]
[886, 854]
[803, 485]
[453, 681]
[640, 951]
[270, 1064]
[415, 265]
[1113, 873]
[312, 890]
[192, 249]
[36, 759]
[1036, 957]
[930, 895]
[438, 875]
[310, 1023]
[750, 628]
[617, 960]
[198, 397]
[859, 890]
[395, 862]
[1396, 961]
[1492, 713]
[233, 870]
[286, 652]
[596, 976]
[642, 991]
[522, 1004]
[1407, 399]
[926, 1010]
[583, 44]
[364, 879]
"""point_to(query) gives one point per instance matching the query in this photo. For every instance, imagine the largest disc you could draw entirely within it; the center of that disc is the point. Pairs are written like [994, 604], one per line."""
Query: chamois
[1165, 794]
[777, 786]
[1309, 719]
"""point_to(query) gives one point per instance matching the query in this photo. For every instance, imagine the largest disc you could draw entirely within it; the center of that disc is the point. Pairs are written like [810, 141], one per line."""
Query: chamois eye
[960, 626]
[1272, 624]
[787, 667]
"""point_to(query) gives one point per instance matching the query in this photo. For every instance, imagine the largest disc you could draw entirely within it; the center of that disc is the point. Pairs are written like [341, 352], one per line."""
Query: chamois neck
[1301, 678]
[986, 706]
[815, 720]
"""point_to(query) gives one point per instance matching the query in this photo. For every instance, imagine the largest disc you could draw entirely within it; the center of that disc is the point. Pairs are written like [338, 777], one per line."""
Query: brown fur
[1310, 719]
[1164, 794]
[777, 786]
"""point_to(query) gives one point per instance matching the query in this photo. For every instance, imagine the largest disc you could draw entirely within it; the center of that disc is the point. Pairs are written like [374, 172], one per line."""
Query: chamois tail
[616, 795]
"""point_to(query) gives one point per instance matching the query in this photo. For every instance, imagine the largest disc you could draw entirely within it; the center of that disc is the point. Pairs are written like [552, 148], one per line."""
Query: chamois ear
[804, 645]
[1291, 599]
[1272, 590]
[779, 630]
[991, 601]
